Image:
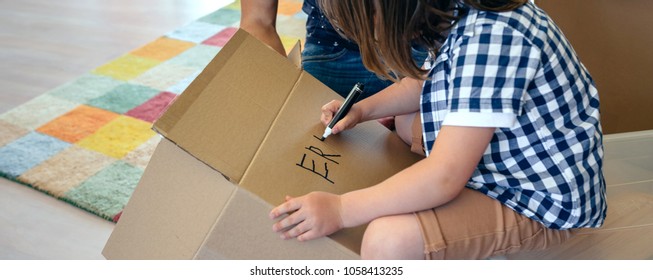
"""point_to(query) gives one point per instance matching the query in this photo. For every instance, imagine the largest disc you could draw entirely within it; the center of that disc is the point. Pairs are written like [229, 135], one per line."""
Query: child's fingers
[286, 207]
[329, 110]
[341, 125]
[286, 223]
[295, 231]
[308, 235]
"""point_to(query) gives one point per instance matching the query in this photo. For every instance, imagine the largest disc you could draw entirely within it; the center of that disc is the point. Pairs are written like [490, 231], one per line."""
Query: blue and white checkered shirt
[516, 71]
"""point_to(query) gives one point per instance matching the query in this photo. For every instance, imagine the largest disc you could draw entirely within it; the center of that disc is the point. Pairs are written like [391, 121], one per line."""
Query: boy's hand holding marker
[334, 111]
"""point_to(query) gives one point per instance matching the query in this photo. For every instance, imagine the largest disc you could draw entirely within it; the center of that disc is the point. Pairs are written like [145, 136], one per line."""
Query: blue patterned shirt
[517, 72]
[319, 30]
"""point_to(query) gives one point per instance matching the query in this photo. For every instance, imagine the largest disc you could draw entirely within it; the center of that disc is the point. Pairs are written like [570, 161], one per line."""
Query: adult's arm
[259, 18]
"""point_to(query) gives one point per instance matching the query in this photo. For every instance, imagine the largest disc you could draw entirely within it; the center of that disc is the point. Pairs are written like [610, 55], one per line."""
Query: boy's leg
[409, 129]
[472, 226]
[403, 127]
[393, 237]
[475, 226]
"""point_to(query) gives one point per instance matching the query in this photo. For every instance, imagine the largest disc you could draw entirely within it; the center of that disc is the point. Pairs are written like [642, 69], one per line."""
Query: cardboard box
[236, 142]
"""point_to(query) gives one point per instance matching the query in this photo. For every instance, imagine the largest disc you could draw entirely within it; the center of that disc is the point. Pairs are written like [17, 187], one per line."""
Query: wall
[614, 39]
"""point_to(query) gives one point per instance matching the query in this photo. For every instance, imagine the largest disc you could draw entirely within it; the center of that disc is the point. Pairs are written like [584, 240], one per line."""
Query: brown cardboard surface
[252, 116]
[171, 210]
[226, 112]
[293, 161]
[243, 233]
[613, 40]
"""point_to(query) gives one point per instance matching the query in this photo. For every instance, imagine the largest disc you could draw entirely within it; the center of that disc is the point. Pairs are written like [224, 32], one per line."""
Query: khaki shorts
[475, 226]
[417, 145]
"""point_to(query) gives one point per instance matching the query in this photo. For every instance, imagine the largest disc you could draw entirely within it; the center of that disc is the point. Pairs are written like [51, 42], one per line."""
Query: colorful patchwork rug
[87, 142]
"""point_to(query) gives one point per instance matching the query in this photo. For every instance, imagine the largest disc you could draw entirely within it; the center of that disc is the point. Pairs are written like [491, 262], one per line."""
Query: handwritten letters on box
[318, 162]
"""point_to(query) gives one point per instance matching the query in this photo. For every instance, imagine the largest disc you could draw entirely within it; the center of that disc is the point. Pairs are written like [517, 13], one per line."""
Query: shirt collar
[465, 26]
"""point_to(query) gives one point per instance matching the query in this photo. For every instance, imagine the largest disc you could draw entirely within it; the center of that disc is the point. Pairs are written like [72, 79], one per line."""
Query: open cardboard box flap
[252, 117]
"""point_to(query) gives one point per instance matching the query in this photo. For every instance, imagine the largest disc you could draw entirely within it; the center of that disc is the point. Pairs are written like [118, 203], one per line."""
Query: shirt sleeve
[491, 71]
[480, 119]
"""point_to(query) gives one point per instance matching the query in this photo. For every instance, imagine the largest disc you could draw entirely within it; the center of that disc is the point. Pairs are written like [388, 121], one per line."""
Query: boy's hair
[385, 30]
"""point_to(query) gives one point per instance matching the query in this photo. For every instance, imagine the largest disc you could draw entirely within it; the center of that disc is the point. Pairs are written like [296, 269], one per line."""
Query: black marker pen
[344, 109]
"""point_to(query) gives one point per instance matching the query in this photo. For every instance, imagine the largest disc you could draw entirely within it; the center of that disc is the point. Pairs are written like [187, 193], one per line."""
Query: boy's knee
[375, 240]
[403, 126]
[394, 237]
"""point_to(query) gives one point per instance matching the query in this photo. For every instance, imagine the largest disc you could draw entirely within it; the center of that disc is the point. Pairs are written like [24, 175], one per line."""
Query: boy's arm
[259, 17]
[428, 183]
[398, 99]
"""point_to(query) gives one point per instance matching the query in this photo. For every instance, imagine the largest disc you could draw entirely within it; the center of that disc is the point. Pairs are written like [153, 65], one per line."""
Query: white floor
[628, 231]
[44, 44]
[33, 225]
[36, 226]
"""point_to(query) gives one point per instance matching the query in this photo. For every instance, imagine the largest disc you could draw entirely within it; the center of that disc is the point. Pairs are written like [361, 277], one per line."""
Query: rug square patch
[10, 132]
[291, 27]
[301, 16]
[183, 84]
[221, 38]
[289, 7]
[196, 32]
[163, 48]
[26, 152]
[126, 67]
[78, 123]
[196, 57]
[86, 87]
[234, 6]
[108, 112]
[151, 110]
[38, 111]
[289, 42]
[140, 156]
[65, 170]
[119, 137]
[107, 192]
[124, 98]
[164, 76]
[226, 17]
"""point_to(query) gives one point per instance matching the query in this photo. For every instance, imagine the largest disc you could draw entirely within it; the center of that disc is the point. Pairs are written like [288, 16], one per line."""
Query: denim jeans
[340, 69]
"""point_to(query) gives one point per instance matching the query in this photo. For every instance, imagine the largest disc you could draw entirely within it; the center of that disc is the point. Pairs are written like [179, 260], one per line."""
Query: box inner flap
[243, 233]
[171, 210]
[293, 161]
[226, 112]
